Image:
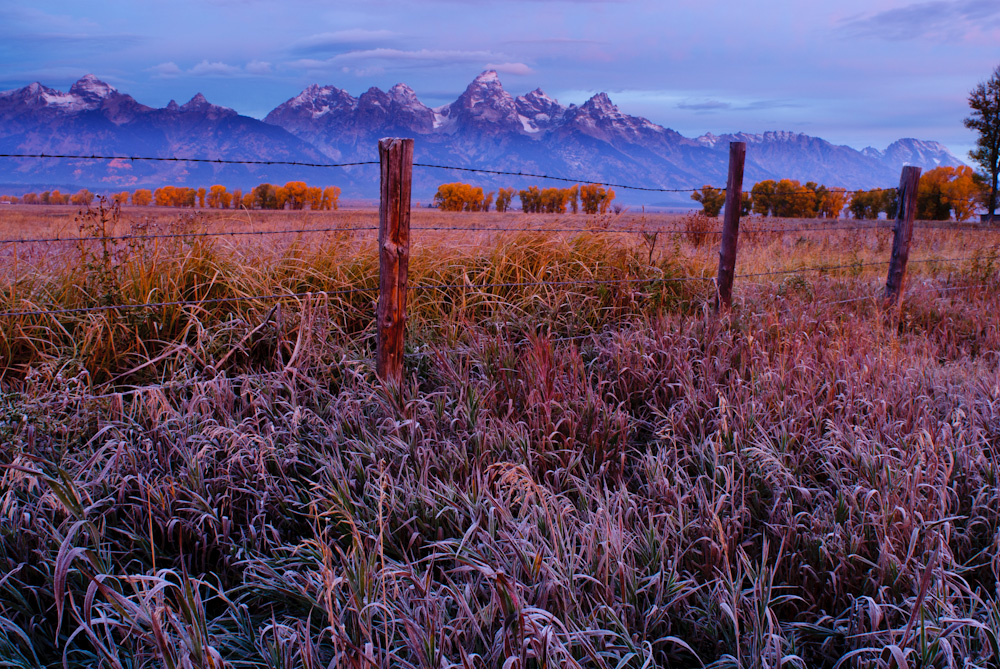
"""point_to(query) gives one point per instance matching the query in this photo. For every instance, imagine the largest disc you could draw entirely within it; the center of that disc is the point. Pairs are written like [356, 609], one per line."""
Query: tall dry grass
[571, 475]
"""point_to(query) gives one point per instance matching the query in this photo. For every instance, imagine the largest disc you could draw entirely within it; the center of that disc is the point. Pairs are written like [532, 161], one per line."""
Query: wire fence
[312, 375]
[857, 266]
[754, 227]
[593, 229]
[456, 168]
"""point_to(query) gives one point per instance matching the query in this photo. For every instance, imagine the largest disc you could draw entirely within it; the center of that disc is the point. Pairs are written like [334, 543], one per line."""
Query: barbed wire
[175, 159]
[223, 161]
[573, 282]
[827, 268]
[298, 373]
[182, 235]
[469, 285]
[804, 191]
[186, 303]
[566, 179]
[473, 228]
[349, 291]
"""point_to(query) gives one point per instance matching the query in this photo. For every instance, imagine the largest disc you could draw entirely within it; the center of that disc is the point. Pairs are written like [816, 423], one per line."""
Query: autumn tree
[793, 200]
[53, 197]
[504, 196]
[964, 192]
[331, 198]
[458, 197]
[120, 198]
[214, 198]
[175, 196]
[762, 195]
[237, 198]
[264, 196]
[868, 204]
[595, 199]
[294, 195]
[554, 200]
[201, 197]
[946, 189]
[984, 100]
[531, 200]
[82, 197]
[789, 198]
[142, 197]
[163, 196]
[711, 199]
[314, 196]
[830, 203]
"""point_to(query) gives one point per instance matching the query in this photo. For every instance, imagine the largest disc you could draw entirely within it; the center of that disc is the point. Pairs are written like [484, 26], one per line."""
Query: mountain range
[486, 127]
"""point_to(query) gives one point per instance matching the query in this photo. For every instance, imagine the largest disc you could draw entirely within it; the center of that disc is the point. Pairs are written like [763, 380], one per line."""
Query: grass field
[573, 473]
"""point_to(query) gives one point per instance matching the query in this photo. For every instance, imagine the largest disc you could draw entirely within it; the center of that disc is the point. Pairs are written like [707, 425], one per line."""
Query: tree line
[294, 195]
[81, 197]
[943, 193]
[589, 198]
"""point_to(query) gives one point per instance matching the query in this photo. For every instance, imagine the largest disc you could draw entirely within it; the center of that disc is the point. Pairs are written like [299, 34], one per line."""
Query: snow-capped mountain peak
[538, 111]
[91, 89]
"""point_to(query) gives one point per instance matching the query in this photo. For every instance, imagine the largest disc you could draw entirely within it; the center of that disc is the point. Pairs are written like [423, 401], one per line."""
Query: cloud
[170, 70]
[217, 69]
[49, 76]
[166, 70]
[258, 67]
[555, 40]
[420, 55]
[518, 69]
[707, 106]
[337, 40]
[80, 40]
[939, 19]
[368, 61]
[23, 16]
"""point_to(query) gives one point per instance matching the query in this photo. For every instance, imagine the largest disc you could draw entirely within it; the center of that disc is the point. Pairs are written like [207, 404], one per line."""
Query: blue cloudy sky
[856, 72]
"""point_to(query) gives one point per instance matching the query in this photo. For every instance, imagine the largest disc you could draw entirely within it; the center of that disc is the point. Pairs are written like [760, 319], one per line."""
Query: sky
[854, 72]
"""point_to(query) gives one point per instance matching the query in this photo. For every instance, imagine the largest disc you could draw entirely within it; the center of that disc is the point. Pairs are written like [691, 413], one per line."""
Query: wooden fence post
[909, 180]
[730, 226]
[396, 157]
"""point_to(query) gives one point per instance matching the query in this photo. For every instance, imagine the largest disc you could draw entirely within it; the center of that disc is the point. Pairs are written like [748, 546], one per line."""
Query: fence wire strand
[472, 228]
[470, 285]
[187, 303]
[176, 159]
[182, 235]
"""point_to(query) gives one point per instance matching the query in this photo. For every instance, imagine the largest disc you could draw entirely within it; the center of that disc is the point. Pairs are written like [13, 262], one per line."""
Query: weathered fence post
[909, 180]
[730, 226]
[396, 156]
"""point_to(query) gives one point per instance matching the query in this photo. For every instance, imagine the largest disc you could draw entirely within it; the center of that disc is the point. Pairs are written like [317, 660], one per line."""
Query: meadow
[585, 465]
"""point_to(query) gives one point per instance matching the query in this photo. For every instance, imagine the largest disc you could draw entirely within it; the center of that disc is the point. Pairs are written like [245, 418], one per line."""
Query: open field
[575, 473]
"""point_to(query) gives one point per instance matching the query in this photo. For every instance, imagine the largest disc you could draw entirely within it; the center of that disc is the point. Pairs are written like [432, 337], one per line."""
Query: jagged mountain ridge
[484, 127]
[488, 127]
[94, 118]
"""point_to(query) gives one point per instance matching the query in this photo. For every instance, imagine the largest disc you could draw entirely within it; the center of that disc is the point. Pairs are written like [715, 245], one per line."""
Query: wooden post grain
[909, 181]
[730, 226]
[396, 156]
